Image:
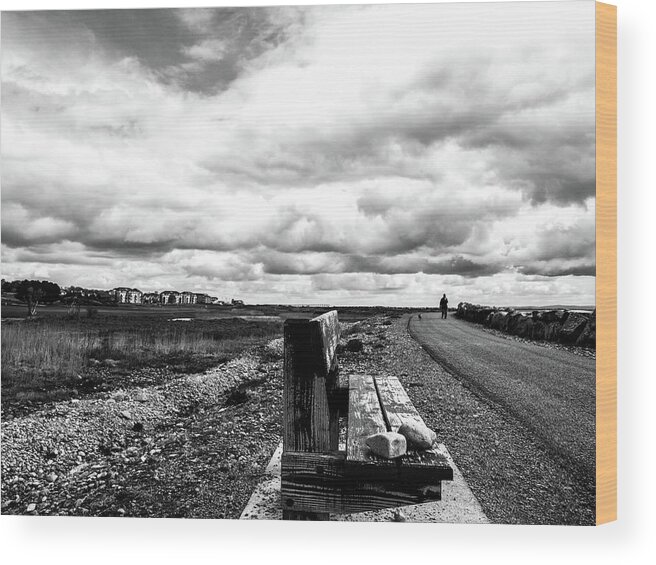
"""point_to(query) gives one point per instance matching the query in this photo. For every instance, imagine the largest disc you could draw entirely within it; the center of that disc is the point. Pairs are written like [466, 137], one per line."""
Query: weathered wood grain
[364, 417]
[307, 414]
[395, 403]
[397, 409]
[328, 328]
[313, 482]
[312, 399]
[306, 410]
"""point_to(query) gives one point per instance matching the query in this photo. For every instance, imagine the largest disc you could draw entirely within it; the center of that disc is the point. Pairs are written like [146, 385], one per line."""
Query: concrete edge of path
[458, 504]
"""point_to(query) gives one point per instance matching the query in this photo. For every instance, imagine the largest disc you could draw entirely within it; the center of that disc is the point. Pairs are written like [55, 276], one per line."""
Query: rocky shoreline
[560, 326]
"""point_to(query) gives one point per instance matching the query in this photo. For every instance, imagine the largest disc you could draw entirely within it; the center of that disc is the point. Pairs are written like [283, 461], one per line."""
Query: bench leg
[305, 516]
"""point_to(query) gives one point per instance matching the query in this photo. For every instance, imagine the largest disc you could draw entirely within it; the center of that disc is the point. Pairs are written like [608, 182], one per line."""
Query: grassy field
[211, 312]
[47, 357]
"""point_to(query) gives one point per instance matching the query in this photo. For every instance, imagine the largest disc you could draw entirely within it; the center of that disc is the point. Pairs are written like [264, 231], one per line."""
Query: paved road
[549, 391]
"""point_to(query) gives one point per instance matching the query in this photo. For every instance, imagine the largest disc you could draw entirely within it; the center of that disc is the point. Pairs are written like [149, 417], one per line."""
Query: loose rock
[399, 515]
[354, 345]
[387, 444]
[418, 435]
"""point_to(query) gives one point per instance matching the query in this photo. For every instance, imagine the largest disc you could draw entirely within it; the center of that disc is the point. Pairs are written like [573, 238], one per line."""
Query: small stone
[141, 397]
[354, 345]
[418, 435]
[126, 414]
[31, 507]
[399, 516]
[387, 444]
[52, 477]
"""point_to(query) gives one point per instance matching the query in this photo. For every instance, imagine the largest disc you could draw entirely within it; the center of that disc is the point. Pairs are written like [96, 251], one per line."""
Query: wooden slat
[396, 404]
[364, 417]
[397, 409]
[311, 410]
[317, 483]
[328, 328]
[306, 411]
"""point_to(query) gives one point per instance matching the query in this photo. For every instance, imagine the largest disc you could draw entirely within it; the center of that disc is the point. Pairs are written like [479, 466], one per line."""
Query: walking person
[444, 306]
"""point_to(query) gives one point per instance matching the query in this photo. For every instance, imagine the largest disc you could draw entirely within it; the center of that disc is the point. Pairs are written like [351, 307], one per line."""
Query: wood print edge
[606, 261]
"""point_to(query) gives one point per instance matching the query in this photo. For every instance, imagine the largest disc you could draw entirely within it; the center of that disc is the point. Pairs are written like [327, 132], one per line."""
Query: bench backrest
[310, 423]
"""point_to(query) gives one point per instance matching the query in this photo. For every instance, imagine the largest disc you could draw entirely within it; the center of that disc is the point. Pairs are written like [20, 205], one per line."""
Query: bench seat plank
[396, 405]
[397, 409]
[370, 399]
[364, 417]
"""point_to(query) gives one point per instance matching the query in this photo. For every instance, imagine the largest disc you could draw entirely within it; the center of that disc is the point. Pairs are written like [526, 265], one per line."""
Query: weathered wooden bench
[317, 478]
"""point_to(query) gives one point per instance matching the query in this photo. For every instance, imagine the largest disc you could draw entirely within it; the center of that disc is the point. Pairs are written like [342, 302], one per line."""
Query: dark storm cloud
[548, 270]
[200, 56]
[313, 264]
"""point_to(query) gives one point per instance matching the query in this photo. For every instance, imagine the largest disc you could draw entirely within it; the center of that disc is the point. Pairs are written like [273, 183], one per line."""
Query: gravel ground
[192, 447]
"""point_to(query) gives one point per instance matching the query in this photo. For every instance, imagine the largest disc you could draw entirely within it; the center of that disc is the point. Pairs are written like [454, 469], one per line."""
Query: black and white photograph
[300, 263]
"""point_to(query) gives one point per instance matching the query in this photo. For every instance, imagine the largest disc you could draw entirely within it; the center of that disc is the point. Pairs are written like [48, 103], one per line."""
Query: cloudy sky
[343, 155]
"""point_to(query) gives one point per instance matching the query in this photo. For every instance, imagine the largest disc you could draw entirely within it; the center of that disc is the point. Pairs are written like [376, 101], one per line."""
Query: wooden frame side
[606, 260]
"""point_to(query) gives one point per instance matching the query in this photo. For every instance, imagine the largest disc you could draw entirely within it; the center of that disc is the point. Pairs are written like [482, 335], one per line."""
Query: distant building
[188, 298]
[150, 298]
[205, 299]
[78, 291]
[237, 302]
[170, 297]
[124, 295]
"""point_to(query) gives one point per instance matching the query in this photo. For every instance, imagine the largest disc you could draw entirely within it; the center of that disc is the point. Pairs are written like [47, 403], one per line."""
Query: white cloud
[353, 144]
[207, 50]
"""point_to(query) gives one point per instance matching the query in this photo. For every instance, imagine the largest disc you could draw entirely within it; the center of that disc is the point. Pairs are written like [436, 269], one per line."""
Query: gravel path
[550, 391]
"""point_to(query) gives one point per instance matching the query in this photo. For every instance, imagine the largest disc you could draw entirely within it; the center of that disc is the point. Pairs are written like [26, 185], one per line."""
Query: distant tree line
[44, 291]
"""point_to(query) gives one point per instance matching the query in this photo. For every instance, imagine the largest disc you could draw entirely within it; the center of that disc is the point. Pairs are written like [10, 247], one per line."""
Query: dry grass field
[48, 358]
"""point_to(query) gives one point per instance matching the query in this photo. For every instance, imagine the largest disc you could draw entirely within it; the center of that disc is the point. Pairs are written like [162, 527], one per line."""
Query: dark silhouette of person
[419, 316]
[444, 306]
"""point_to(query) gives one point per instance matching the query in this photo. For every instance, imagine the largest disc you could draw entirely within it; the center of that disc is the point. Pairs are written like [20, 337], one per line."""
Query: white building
[170, 297]
[124, 295]
[188, 298]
